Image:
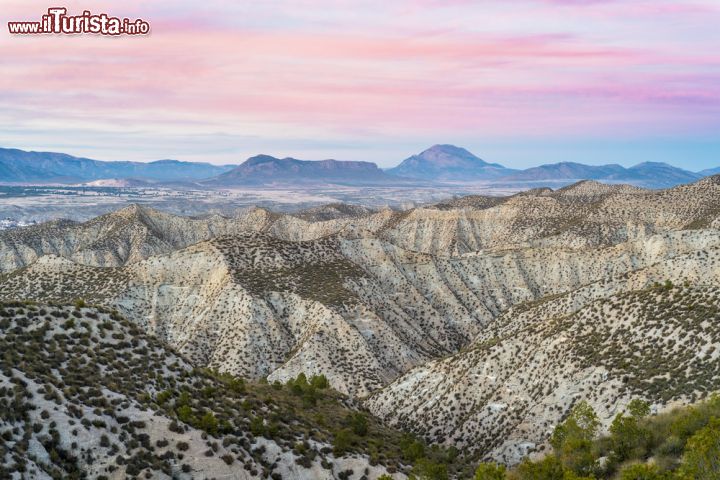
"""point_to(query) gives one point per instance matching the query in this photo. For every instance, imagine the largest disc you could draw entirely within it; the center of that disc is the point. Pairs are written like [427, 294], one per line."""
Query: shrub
[359, 424]
[319, 381]
[549, 468]
[641, 471]
[573, 439]
[209, 423]
[627, 434]
[702, 453]
[412, 449]
[342, 442]
[490, 471]
[426, 469]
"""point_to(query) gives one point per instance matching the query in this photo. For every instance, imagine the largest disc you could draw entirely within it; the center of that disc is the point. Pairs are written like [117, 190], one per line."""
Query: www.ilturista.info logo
[58, 21]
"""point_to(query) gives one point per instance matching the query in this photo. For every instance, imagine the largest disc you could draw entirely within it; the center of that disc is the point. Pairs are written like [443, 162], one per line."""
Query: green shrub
[490, 471]
[701, 459]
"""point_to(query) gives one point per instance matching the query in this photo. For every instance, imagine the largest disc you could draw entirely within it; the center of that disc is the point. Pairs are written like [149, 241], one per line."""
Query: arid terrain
[475, 324]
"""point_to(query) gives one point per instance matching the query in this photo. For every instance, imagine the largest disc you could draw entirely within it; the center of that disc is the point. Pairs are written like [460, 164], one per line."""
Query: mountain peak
[653, 165]
[446, 153]
[450, 163]
[260, 159]
[448, 149]
[134, 211]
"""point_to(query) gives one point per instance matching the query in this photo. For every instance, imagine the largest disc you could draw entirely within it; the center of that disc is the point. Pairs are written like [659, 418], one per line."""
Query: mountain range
[647, 174]
[20, 166]
[436, 165]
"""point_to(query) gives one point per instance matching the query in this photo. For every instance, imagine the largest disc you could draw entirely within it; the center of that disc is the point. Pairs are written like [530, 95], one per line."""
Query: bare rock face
[477, 322]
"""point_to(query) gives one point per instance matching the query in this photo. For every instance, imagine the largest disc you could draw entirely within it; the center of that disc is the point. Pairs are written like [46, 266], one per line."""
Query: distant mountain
[443, 163]
[265, 169]
[22, 166]
[565, 170]
[710, 172]
[656, 175]
[448, 163]
[648, 174]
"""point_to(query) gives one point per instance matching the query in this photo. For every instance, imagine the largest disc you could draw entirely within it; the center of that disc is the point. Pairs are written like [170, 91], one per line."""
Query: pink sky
[519, 82]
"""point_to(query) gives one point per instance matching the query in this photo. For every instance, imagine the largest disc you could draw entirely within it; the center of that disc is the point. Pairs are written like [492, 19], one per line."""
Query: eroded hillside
[477, 323]
[503, 395]
[586, 214]
[85, 394]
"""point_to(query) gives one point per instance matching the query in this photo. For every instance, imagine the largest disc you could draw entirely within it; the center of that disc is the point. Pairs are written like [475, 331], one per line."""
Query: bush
[702, 453]
[628, 437]
[209, 423]
[185, 414]
[257, 426]
[319, 381]
[490, 471]
[412, 449]
[641, 471]
[342, 442]
[359, 424]
[425, 469]
[549, 468]
[573, 439]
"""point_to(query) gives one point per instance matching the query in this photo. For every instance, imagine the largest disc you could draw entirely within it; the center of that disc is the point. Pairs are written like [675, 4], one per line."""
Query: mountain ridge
[646, 174]
[266, 169]
[439, 164]
[30, 166]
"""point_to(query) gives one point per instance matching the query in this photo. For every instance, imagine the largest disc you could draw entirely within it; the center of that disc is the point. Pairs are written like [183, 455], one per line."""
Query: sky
[518, 82]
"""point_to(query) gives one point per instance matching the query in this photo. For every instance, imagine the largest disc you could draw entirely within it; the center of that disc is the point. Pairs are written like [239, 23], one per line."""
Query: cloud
[352, 72]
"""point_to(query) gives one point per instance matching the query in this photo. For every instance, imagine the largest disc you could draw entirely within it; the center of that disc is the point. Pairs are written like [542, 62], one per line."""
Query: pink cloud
[427, 78]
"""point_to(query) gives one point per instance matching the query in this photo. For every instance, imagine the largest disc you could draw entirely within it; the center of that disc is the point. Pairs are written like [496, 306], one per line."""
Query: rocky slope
[587, 214]
[85, 394]
[358, 310]
[467, 322]
[582, 215]
[135, 233]
[608, 342]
